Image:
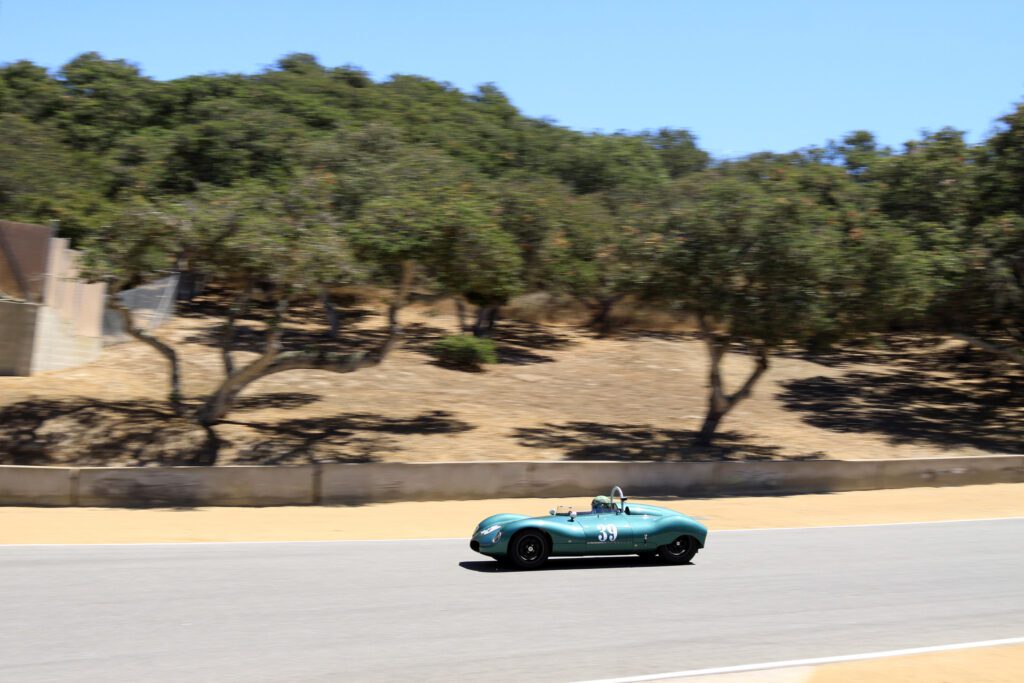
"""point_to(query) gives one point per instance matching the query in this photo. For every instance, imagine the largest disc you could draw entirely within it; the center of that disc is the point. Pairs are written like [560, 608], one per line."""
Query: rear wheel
[679, 551]
[528, 549]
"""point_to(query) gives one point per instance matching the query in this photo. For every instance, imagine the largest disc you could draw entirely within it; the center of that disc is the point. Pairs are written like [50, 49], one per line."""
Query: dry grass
[559, 393]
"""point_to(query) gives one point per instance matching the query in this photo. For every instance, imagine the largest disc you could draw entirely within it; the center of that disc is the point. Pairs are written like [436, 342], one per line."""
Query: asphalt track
[434, 610]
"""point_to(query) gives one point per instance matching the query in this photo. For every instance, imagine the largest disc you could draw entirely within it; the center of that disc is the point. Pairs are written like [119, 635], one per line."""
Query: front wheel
[679, 551]
[528, 550]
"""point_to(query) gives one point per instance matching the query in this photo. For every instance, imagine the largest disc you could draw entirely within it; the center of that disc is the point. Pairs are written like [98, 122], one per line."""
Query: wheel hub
[529, 549]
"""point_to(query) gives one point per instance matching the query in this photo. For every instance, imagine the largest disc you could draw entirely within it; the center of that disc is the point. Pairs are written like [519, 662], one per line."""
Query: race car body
[608, 528]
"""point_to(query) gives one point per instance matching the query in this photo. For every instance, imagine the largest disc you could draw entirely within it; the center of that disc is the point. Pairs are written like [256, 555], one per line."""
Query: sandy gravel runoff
[982, 665]
[453, 519]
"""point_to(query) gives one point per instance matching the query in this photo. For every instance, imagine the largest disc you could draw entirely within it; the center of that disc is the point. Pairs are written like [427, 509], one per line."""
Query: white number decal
[607, 532]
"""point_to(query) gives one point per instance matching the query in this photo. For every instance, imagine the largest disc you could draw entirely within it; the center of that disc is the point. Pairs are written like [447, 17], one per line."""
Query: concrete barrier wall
[36, 485]
[195, 486]
[356, 484]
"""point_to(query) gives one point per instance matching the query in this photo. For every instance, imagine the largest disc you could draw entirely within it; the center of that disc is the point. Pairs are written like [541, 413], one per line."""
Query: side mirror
[551, 512]
[572, 515]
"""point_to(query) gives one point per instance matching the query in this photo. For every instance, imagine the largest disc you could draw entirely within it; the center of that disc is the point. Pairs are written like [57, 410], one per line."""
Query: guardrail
[361, 483]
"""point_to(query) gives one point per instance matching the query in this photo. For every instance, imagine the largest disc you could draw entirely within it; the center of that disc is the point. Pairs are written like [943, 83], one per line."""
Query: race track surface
[434, 610]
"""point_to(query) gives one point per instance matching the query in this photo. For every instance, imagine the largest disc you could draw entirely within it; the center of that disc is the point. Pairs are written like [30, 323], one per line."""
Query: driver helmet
[601, 504]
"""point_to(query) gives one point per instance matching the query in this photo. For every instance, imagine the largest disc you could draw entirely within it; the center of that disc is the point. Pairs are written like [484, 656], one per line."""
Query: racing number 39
[607, 532]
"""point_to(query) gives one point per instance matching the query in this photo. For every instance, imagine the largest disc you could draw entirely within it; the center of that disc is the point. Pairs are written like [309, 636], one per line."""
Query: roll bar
[622, 498]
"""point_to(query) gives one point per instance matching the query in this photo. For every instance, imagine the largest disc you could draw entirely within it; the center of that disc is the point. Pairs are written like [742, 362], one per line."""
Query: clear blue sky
[744, 76]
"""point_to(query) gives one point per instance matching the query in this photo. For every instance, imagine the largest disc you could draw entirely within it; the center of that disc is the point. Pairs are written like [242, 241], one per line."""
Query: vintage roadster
[608, 528]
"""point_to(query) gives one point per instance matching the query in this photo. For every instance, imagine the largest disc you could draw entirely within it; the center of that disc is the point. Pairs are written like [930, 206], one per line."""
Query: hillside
[558, 394]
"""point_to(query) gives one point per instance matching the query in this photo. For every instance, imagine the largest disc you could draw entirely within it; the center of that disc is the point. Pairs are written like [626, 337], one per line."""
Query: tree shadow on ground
[252, 338]
[88, 432]
[352, 437]
[278, 400]
[93, 432]
[947, 399]
[598, 441]
[897, 350]
[626, 334]
[517, 343]
[525, 335]
[217, 302]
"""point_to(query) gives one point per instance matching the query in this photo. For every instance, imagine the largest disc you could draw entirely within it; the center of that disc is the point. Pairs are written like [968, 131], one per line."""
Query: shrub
[465, 351]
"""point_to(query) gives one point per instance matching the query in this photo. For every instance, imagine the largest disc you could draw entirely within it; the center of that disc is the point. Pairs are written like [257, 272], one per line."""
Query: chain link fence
[151, 305]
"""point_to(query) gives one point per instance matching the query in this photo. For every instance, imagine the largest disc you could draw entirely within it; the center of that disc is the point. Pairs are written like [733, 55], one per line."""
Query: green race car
[608, 528]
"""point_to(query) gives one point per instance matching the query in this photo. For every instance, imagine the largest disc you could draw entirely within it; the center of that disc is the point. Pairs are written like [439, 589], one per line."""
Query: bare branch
[228, 338]
[272, 361]
[1007, 354]
[166, 351]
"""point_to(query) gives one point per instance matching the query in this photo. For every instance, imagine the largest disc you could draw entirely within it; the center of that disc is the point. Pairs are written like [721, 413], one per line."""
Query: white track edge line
[814, 661]
[857, 526]
[461, 538]
[127, 544]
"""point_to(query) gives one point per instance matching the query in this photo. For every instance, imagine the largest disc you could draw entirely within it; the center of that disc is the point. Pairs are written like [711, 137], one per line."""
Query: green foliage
[986, 294]
[305, 175]
[678, 151]
[932, 181]
[29, 91]
[140, 242]
[465, 351]
[103, 100]
[42, 180]
[1002, 167]
[757, 262]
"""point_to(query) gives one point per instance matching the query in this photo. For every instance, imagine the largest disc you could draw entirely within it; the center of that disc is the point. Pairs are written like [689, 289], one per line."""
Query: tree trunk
[707, 430]
[186, 285]
[331, 313]
[460, 312]
[719, 403]
[1004, 353]
[601, 321]
[486, 319]
[218, 405]
[191, 284]
[478, 324]
[228, 338]
[174, 395]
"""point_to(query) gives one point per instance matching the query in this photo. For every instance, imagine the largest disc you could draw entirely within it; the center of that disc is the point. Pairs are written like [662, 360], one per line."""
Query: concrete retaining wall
[36, 485]
[356, 484]
[195, 486]
[17, 332]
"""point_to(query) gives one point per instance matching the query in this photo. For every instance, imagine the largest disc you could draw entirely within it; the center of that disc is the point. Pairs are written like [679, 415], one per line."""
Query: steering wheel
[622, 498]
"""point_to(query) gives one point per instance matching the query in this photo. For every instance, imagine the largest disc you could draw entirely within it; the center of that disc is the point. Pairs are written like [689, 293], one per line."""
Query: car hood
[503, 518]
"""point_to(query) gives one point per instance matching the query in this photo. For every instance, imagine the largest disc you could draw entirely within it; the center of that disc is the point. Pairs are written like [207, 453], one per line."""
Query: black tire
[528, 549]
[679, 551]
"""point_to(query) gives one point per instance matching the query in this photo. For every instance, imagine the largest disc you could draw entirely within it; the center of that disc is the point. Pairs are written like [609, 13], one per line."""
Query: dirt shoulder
[456, 519]
[981, 665]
